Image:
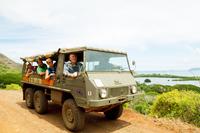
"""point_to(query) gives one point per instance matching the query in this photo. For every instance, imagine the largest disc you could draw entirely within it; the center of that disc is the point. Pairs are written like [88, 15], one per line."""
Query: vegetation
[157, 88]
[175, 99]
[184, 105]
[187, 79]
[11, 87]
[175, 77]
[9, 76]
[147, 81]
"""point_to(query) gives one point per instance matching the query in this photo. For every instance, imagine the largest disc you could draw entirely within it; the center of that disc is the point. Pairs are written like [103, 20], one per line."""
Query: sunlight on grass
[12, 87]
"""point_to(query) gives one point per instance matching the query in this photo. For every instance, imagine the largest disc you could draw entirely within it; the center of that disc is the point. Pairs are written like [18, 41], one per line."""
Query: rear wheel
[29, 93]
[114, 113]
[40, 102]
[73, 116]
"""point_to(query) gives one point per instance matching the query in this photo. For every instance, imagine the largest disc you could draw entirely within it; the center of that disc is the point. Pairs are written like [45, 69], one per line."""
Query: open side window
[79, 56]
[31, 66]
[80, 59]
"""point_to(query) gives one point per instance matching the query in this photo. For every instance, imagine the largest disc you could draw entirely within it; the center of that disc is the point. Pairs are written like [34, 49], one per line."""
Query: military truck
[104, 85]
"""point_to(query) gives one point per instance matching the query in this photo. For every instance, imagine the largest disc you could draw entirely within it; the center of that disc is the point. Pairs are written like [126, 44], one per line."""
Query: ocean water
[173, 72]
[169, 81]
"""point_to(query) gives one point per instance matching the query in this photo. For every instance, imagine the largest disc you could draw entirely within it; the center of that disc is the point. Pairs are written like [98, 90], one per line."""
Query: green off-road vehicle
[105, 83]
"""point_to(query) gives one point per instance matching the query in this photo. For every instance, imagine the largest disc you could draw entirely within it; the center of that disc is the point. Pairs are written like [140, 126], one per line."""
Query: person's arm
[67, 73]
[66, 70]
[29, 72]
[47, 76]
[42, 73]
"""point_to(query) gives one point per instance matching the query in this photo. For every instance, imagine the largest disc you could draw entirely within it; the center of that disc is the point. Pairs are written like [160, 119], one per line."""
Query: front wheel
[40, 102]
[114, 113]
[73, 116]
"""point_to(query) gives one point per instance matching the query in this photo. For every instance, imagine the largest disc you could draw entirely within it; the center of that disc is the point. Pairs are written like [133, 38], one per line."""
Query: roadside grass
[9, 78]
[12, 87]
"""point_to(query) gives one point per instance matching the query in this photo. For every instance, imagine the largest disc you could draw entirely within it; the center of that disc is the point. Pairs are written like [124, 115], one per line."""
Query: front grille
[114, 92]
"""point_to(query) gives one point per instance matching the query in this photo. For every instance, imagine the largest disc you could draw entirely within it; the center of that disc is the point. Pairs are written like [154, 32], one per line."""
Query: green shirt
[41, 69]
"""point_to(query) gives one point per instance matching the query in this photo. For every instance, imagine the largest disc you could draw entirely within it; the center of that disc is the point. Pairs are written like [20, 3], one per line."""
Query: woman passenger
[51, 70]
[29, 70]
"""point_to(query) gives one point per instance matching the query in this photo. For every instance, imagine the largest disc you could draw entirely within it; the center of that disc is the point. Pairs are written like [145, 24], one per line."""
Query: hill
[8, 63]
[10, 72]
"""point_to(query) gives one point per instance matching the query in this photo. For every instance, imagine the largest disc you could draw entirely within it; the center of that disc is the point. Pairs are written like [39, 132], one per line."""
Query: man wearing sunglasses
[51, 70]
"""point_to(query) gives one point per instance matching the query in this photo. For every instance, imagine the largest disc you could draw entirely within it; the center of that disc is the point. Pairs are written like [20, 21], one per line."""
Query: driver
[72, 67]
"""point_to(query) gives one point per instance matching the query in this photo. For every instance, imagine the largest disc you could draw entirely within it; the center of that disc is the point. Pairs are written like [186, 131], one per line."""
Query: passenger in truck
[72, 68]
[41, 69]
[29, 70]
[51, 70]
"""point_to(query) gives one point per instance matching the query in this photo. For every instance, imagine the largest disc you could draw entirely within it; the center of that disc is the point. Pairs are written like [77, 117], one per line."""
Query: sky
[157, 34]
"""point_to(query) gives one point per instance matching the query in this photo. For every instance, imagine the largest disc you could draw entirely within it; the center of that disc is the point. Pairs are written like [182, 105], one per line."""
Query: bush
[184, 105]
[10, 77]
[13, 87]
[147, 81]
[155, 88]
[152, 93]
[143, 108]
[2, 85]
[186, 87]
[141, 104]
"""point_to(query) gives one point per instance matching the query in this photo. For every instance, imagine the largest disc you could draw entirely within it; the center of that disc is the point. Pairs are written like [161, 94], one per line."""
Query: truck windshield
[103, 61]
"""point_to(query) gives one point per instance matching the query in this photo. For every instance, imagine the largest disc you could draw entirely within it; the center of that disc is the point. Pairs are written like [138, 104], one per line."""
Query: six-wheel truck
[105, 83]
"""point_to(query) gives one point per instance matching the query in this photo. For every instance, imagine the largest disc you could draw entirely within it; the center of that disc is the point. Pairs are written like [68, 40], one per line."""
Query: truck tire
[73, 116]
[29, 93]
[40, 102]
[114, 113]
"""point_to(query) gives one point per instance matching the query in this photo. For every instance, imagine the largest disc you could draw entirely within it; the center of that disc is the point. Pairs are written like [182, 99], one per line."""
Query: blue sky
[158, 35]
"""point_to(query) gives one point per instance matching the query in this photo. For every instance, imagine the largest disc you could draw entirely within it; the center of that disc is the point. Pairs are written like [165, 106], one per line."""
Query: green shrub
[142, 108]
[184, 105]
[8, 76]
[2, 85]
[141, 104]
[152, 93]
[126, 105]
[186, 87]
[11, 87]
[147, 81]
[155, 88]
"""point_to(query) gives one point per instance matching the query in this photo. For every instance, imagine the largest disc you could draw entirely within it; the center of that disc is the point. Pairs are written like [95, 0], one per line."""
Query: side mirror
[133, 63]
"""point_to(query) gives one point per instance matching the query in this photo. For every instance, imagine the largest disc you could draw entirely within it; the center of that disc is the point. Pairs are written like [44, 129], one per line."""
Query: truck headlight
[103, 93]
[133, 89]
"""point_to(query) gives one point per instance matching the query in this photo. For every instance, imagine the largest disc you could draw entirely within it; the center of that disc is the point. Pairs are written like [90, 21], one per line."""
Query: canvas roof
[67, 50]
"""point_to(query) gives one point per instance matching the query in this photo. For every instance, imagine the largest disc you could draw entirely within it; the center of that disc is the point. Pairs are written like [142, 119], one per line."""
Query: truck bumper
[110, 101]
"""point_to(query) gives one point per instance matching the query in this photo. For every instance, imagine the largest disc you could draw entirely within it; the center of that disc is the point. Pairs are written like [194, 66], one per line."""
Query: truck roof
[68, 50]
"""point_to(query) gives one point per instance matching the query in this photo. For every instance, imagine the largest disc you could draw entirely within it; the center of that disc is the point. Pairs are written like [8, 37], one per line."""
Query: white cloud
[110, 21]
[124, 25]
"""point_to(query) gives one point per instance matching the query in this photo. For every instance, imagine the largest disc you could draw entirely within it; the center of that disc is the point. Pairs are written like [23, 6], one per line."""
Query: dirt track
[16, 118]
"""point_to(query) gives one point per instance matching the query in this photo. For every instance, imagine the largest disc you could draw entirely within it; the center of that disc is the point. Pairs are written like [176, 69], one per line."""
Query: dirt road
[15, 117]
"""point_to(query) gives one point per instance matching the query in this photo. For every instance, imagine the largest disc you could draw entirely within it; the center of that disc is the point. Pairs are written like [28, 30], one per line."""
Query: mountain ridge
[8, 63]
